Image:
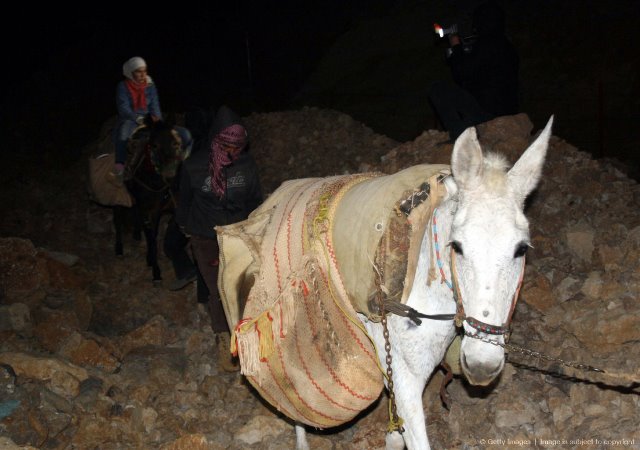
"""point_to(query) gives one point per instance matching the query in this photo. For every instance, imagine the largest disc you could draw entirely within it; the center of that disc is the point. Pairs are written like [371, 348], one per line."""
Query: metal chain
[395, 423]
[535, 354]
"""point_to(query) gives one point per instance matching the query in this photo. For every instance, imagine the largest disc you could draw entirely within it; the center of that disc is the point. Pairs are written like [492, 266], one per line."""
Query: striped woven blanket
[294, 275]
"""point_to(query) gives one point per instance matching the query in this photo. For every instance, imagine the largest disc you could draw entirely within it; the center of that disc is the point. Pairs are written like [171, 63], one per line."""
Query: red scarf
[137, 93]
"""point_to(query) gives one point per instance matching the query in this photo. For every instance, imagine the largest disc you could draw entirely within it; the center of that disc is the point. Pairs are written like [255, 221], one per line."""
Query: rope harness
[504, 330]
[460, 316]
[478, 325]
[386, 305]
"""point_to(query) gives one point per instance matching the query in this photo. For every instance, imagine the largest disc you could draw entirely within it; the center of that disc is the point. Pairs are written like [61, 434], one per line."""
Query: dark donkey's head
[165, 148]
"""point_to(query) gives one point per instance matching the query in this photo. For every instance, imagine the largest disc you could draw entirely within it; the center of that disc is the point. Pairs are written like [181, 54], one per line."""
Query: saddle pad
[369, 228]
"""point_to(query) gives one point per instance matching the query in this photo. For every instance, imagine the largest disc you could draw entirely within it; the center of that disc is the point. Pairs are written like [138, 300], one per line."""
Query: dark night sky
[250, 54]
[196, 55]
[62, 63]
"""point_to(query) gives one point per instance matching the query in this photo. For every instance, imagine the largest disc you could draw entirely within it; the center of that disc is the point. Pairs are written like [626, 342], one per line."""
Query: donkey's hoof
[394, 441]
[157, 282]
[118, 249]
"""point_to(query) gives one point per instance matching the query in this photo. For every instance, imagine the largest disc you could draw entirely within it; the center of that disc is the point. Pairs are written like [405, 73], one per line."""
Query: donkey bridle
[478, 325]
[459, 317]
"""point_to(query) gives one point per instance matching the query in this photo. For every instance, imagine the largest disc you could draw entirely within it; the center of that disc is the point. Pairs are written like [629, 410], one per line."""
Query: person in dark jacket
[485, 75]
[219, 185]
[176, 242]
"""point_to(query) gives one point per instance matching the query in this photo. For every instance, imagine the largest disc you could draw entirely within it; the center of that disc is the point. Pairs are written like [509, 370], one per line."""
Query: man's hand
[183, 230]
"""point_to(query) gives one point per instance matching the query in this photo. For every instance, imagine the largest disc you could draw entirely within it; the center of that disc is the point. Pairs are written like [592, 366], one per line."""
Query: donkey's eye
[521, 249]
[457, 247]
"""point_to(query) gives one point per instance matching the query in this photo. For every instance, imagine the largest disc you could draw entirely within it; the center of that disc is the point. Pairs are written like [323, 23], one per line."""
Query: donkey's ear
[525, 174]
[467, 163]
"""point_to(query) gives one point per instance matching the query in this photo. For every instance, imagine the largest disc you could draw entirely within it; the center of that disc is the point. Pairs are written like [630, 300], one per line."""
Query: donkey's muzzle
[481, 373]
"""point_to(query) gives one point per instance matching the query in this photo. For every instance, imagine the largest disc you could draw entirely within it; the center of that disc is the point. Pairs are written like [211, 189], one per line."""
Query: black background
[62, 64]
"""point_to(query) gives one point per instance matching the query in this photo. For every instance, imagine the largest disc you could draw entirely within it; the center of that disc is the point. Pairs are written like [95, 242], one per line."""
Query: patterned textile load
[103, 186]
[294, 274]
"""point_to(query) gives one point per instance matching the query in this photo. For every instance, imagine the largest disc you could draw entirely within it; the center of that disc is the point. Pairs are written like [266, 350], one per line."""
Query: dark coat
[200, 209]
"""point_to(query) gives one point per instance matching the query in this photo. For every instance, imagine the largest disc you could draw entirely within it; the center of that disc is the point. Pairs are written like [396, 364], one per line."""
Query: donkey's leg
[412, 365]
[150, 234]
[408, 389]
[301, 438]
[118, 221]
[152, 244]
[138, 223]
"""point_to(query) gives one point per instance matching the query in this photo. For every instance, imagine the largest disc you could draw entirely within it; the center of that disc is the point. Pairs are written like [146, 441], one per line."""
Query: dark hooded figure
[486, 75]
[175, 242]
[219, 185]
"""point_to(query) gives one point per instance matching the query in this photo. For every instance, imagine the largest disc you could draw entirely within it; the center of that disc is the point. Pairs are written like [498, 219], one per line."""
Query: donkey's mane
[495, 171]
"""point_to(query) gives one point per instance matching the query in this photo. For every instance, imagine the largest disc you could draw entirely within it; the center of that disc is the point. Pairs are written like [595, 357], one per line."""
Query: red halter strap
[473, 322]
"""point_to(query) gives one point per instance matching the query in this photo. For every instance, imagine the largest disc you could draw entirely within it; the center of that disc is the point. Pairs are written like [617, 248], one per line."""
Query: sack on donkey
[298, 338]
[105, 187]
[294, 275]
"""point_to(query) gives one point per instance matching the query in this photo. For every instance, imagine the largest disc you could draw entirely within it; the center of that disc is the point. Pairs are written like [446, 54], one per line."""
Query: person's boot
[182, 282]
[226, 361]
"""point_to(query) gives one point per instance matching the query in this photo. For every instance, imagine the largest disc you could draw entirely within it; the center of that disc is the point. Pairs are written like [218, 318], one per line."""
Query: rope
[400, 309]
[621, 376]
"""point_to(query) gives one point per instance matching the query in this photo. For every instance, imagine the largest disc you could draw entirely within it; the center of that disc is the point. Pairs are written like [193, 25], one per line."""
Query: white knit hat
[132, 65]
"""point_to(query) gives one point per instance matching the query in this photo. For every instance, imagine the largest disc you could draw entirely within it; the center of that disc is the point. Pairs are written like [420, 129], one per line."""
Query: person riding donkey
[137, 100]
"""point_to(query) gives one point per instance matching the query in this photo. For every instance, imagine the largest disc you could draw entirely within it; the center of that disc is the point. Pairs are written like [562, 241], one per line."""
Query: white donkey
[482, 224]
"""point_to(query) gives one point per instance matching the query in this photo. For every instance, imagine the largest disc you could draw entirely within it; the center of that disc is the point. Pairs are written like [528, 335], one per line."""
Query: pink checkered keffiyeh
[232, 136]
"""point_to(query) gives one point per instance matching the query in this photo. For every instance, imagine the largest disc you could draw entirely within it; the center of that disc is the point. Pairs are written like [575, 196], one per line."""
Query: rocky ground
[93, 356]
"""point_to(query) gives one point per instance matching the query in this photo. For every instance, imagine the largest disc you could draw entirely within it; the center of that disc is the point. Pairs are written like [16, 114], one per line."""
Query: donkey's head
[489, 239]
[166, 149]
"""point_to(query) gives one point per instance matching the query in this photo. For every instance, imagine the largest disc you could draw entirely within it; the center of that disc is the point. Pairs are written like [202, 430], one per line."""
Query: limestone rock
[87, 353]
[154, 332]
[538, 293]
[580, 239]
[191, 442]
[23, 275]
[258, 428]
[15, 317]
[39, 367]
